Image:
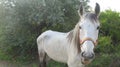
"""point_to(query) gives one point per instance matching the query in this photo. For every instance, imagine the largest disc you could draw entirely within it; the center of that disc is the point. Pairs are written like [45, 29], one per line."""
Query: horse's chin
[86, 61]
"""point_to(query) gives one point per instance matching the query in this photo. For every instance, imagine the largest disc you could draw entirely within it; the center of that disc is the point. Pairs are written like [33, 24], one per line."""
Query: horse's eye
[80, 27]
[98, 27]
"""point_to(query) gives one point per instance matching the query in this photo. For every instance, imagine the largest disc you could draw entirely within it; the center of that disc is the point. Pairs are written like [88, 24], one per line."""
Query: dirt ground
[7, 64]
[11, 64]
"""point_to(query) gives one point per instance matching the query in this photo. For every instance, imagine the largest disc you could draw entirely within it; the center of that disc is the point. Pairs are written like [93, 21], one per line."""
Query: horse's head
[88, 33]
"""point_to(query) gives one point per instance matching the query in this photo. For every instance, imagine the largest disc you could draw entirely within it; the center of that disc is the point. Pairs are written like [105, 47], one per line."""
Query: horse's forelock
[91, 16]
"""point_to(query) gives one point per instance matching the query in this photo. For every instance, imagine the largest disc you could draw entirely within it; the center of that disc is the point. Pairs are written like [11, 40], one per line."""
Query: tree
[29, 18]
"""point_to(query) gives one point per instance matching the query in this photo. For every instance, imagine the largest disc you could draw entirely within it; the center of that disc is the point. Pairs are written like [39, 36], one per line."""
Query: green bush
[104, 45]
[110, 25]
[103, 60]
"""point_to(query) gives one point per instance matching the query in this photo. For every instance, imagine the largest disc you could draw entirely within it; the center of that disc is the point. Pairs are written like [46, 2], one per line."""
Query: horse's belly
[57, 57]
[57, 52]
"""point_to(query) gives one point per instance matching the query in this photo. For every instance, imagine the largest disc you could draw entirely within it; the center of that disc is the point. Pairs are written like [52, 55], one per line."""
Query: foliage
[104, 45]
[111, 25]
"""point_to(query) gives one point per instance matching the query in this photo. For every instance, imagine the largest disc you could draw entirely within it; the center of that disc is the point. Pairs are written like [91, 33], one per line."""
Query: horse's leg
[42, 58]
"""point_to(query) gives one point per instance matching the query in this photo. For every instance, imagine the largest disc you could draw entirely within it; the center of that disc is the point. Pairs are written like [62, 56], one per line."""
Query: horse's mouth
[86, 61]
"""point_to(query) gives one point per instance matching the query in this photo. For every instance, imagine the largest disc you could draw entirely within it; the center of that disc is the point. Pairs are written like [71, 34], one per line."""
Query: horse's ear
[97, 9]
[80, 11]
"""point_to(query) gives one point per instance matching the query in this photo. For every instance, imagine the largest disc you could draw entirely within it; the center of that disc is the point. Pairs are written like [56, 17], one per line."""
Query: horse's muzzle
[87, 58]
[86, 62]
[87, 55]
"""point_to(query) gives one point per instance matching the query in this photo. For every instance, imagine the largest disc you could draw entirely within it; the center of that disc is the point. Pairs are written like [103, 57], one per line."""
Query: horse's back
[50, 36]
[49, 33]
[43, 35]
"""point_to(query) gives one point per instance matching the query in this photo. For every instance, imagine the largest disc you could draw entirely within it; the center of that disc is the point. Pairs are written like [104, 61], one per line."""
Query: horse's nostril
[82, 54]
[87, 55]
[92, 56]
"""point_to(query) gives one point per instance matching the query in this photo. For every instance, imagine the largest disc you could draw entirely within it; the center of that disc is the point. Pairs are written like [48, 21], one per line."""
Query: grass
[56, 64]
